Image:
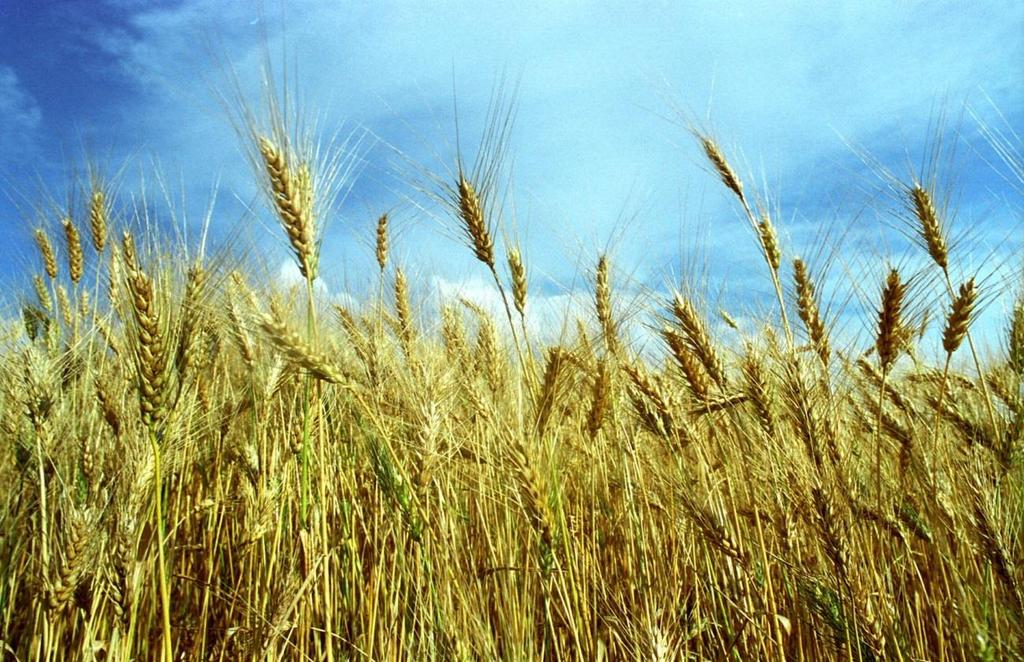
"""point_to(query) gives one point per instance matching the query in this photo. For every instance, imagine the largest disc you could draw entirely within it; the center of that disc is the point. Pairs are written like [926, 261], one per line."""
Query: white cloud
[289, 276]
[547, 315]
[20, 116]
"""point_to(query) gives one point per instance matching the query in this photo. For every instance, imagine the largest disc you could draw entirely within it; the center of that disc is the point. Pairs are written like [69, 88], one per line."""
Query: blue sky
[793, 91]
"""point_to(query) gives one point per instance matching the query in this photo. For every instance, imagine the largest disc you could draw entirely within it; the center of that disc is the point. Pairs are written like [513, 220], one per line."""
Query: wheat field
[199, 465]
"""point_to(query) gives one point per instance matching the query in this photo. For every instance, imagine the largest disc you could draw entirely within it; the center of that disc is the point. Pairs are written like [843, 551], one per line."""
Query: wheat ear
[292, 192]
[73, 242]
[381, 251]
[98, 219]
[46, 250]
[807, 307]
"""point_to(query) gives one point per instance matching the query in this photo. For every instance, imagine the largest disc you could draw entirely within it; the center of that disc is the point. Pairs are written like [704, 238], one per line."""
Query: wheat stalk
[600, 398]
[152, 370]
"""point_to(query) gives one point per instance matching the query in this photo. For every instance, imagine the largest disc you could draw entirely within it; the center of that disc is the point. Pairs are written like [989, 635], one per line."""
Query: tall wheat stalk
[152, 365]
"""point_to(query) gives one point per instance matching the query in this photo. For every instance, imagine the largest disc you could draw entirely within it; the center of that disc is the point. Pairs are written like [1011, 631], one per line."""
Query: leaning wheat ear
[471, 211]
[298, 351]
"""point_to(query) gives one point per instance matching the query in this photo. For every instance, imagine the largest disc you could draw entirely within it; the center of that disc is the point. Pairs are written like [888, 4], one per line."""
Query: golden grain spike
[73, 242]
[769, 242]
[931, 229]
[46, 250]
[959, 317]
[404, 312]
[725, 171]
[1015, 338]
[603, 305]
[698, 338]
[382, 241]
[518, 271]
[289, 343]
[600, 397]
[890, 336]
[293, 196]
[695, 374]
[151, 350]
[98, 219]
[42, 293]
[472, 212]
[807, 307]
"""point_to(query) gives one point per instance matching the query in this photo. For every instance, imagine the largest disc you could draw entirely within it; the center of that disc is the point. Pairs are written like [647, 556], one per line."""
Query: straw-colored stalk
[151, 364]
[888, 343]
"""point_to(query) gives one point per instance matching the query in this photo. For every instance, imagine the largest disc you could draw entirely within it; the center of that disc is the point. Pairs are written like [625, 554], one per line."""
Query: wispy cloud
[20, 117]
